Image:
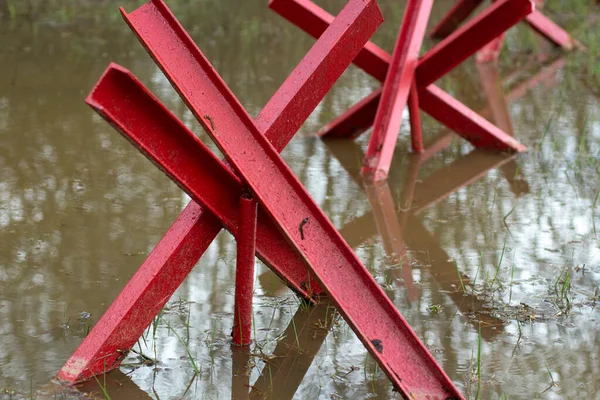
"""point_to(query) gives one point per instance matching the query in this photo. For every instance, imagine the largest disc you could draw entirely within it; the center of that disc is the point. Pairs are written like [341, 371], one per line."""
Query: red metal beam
[244, 271]
[438, 61]
[536, 20]
[548, 29]
[360, 300]
[177, 253]
[416, 134]
[395, 92]
[466, 122]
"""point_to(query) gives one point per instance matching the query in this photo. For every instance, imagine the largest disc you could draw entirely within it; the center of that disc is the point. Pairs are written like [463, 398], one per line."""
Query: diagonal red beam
[536, 20]
[187, 239]
[551, 31]
[466, 122]
[395, 91]
[390, 340]
[438, 61]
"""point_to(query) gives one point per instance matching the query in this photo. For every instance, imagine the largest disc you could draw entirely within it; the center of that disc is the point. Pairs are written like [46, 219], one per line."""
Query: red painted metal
[176, 254]
[146, 293]
[416, 135]
[536, 20]
[244, 271]
[463, 43]
[395, 92]
[469, 38]
[466, 122]
[359, 298]
[548, 29]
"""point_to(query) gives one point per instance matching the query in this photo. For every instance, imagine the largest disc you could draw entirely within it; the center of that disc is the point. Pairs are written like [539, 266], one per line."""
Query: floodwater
[493, 260]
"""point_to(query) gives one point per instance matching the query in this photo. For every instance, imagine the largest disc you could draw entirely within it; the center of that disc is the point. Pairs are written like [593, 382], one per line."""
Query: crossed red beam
[285, 204]
[404, 72]
[127, 103]
[536, 20]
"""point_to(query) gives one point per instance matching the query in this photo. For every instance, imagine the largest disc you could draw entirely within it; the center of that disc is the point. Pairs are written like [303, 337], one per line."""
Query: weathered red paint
[176, 254]
[396, 88]
[359, 298]
[536, 20]
[244, 271]
[416, 134]
[446, 55]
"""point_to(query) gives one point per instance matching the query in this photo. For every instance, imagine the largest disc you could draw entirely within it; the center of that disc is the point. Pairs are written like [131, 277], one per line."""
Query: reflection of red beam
[546, 75]
[240, 374]
[428, 252]
[117, 384]
[406, 230]
[187, 239]
[441, 142]
[465, 171]
[390, 229]
[285, 369]
[492, 87]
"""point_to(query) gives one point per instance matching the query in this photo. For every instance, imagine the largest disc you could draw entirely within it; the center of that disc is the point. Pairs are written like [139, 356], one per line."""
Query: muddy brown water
[493, 260]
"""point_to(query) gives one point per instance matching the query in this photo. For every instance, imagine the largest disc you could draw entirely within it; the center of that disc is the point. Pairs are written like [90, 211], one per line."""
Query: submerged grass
[187, 349]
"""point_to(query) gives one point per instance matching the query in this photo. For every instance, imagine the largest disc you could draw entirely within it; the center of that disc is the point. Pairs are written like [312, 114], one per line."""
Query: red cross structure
[401, 231]
[536, 21]
[293, 235]
[383, 108]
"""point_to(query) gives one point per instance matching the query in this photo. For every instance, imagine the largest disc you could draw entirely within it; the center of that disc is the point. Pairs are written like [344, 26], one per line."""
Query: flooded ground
[494, 260]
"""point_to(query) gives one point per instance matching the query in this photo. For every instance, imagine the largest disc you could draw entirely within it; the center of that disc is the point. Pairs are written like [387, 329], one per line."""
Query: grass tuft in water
[187, 349]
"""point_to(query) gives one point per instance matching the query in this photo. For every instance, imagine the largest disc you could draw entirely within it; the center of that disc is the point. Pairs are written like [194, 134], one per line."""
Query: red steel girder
[536, 20]
[438, 61]
[366, 308]
[187, 239]
[244, 271]
[396, 88]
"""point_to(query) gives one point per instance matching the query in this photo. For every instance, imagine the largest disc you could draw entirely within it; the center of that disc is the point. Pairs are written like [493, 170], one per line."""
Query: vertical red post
[394, 96]
[416, 135]
[244, 271]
